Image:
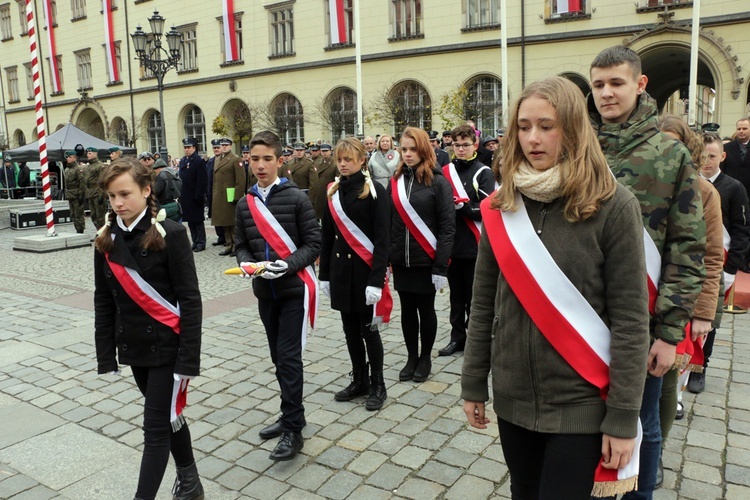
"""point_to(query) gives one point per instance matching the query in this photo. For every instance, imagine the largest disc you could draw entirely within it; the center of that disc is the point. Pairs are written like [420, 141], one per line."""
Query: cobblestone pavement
[69, 433]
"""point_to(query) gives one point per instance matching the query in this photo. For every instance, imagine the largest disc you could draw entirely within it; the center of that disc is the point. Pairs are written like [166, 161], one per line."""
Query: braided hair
[353, 148]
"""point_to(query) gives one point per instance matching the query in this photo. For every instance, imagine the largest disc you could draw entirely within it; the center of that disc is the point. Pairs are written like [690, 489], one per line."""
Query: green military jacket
[659, 171]
[75, 181]
[302, 172]
[92, 173]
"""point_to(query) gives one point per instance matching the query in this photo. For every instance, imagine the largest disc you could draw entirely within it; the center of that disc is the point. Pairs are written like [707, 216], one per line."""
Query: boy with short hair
[659, 172]
[276, 225]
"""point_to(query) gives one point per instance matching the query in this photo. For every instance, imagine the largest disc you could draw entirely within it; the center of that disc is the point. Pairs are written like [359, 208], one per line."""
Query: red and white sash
[283, 245]
[562, 315]
[361, 244]
[411, 218]
[461, 196]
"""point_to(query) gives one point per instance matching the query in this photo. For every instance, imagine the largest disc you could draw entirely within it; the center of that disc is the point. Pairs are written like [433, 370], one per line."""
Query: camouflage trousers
[98, 209]
[76, 213]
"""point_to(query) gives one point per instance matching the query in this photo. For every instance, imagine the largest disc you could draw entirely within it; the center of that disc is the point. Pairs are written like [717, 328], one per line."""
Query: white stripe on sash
[414, 216]
[360, 236]
[151, 291]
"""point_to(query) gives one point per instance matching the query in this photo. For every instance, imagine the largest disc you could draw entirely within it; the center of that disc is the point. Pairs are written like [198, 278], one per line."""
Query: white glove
[275, 269]
[373, 295]
[728, 281]
[458, 206]
[440, 282]
[325, 287]
[178, 377]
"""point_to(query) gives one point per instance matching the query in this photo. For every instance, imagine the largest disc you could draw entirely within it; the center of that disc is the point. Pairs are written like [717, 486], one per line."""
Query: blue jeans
[651, 444]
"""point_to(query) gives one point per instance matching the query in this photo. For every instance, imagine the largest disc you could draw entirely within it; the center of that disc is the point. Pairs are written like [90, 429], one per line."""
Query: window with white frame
[153, 131]
[289, 118]
[342, 105]
[237, 36]
[146, 73]
[561, 8]
[481, 14]
[347, 18]
[118, 59]
[406, 19]
[484, 103]
[83, 69]
[189, 48]
[12, 74]
[59, 72]
[5, 22]
[53, 12]
[412, 106]
[29, 81]
[78, 9]
[195, 126]
[282, 30]
[22, 17]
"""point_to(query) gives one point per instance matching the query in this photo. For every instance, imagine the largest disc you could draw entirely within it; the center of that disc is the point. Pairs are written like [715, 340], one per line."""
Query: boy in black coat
[281, 295]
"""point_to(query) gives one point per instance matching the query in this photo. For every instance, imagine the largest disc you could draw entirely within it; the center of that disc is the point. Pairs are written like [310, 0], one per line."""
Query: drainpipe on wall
[130, 75]
[523, 43]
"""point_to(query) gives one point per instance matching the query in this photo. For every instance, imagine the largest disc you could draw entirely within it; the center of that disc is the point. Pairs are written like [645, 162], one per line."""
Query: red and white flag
[109, 41]
[565, 6]
[231, 51]
[339, 33]
[48, 23]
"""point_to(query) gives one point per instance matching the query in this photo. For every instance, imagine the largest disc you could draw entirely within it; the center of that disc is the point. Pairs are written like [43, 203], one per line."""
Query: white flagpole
[504, 65]
[695, 40]
[358, 58]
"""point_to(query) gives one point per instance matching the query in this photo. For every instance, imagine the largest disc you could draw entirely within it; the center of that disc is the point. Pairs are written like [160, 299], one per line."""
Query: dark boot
[358, 387]
[423, 369]
[378, 394]
[188, 485]
[407, 373]
[697, 382]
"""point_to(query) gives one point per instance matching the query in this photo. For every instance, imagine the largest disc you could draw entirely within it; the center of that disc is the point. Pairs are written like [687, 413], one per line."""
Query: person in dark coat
[418, 273]
[8, 178]
[163, 351]
[737, 161]
[353, 285]
[280, 291]
[442, 158]
[193, 196]
[326, 174]
[216, 146]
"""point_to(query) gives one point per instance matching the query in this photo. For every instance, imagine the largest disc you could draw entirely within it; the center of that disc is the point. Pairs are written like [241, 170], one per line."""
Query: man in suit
[737, 162]
[229, 187]
[193, 194]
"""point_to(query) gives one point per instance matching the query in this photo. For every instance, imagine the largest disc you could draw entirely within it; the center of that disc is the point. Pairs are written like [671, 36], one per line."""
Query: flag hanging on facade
[109, 42]
[338, 22]
[230, 39]
[49, 24]
[565, 6]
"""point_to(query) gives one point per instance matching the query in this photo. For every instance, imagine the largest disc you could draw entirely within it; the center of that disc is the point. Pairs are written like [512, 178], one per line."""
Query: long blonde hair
[351, 147]
[586, 178]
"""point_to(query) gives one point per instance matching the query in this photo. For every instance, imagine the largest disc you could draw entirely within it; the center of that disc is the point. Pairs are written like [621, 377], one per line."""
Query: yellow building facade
[425, 63]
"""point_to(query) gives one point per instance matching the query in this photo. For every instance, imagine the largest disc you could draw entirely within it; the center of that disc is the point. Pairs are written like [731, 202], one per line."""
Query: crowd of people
[605, 234]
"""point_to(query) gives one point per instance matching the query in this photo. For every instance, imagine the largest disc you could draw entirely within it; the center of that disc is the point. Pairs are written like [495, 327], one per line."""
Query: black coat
[348, 274]
[474, 175]
[734, 214]
[194, 180]
[434, 204]
[120, 325]
[293, 210]
[210, 178]
[734, 166]
[443, 158]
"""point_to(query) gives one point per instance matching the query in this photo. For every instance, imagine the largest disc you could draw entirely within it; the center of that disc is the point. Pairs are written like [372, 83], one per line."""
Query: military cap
[225, 141]
[710, 127]
[501, 132]
[325, 147]
[189, 141]
[113, 149]
[92, 149]
[286, 153]
[314, 147]
[145, 155]
[245, 149]
[70, 153]
[434, 135]
[216, 142]
[299, 145]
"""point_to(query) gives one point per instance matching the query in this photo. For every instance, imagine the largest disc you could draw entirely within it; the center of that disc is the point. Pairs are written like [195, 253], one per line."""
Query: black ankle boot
[407, 373]
[187, 485]
[378, 394]
[423, 369]
[358, 387]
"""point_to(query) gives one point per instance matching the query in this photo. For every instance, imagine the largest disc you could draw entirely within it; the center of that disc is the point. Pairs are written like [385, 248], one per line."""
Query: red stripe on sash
[410, 225]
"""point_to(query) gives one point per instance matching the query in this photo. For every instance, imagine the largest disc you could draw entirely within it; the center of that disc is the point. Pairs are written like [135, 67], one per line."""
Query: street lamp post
[152, 56]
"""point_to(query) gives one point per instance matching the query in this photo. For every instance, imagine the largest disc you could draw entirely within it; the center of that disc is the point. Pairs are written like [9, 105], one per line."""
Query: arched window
[289, 119]
[195, 126]
[484, 103]
[19, 138]
[342, 106]
[580, 82]
[153, 130]
[412, 106]
[118, 132]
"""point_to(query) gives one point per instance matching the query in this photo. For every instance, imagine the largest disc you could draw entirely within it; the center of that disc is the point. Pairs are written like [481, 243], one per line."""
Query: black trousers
[197, 233]
[156, 384]
[418, 319]
[220, 234]
[708, 347]
[461, 281]
[283, 320]
[362, 341]
[549, 466]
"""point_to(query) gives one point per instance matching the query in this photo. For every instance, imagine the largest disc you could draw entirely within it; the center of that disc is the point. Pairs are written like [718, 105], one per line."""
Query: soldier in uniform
[315, 155]
[251, 180]
[300, 170]
[75, 189]
[327, 172]
[193, 194]
[114, 153]
[216, 146]
[97, 202]
[228, 175]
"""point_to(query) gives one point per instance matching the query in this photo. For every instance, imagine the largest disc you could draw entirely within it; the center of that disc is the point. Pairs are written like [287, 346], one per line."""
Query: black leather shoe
[697, 382]
[226, 251]
[407, 373]
[272, 431]
[452, 348]
[423, 369]
[233, 254]
[289, 445]
[217, 243]
[199, 248]
[680, 413]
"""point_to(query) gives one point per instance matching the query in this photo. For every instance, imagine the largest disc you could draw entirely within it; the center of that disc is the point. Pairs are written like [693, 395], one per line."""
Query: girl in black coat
[148, 311]
[351, 283]
[419, 258]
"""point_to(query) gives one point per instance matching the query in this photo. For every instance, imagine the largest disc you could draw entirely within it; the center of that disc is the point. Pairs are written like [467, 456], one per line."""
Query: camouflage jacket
[659, 172]
[92, 174]
[75, 181]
